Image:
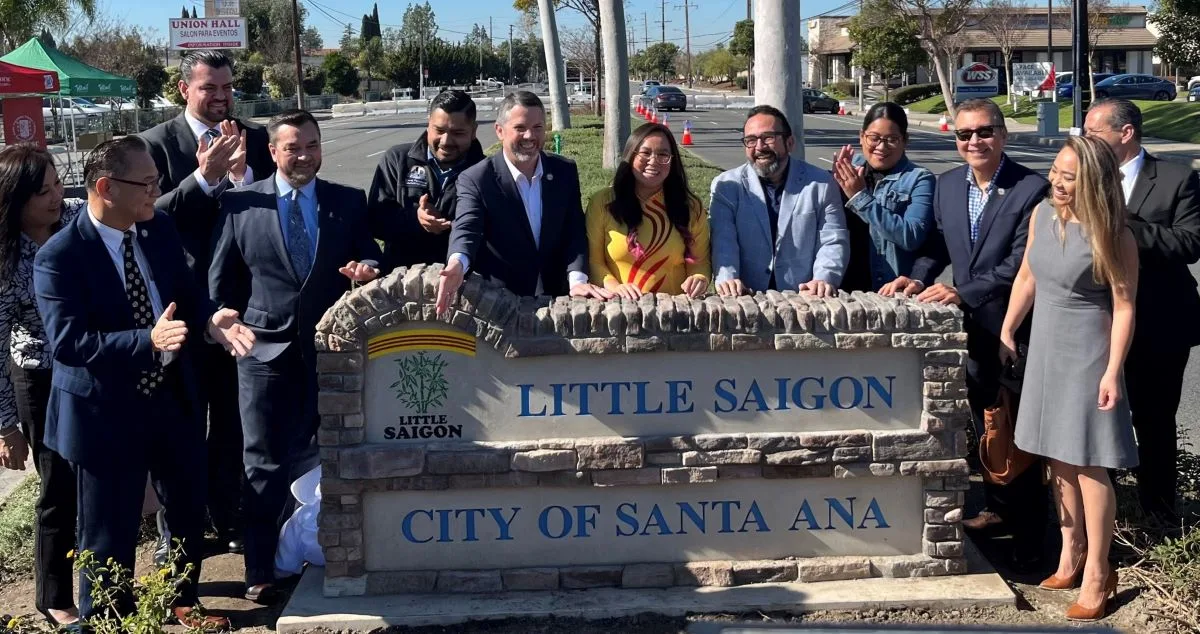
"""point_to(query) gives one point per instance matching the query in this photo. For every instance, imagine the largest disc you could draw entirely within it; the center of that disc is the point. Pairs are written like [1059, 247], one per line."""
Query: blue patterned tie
[299, 244]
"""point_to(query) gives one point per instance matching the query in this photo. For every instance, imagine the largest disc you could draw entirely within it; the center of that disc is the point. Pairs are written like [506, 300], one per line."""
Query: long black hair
[22, 173]
[889, 111]
[677, 198]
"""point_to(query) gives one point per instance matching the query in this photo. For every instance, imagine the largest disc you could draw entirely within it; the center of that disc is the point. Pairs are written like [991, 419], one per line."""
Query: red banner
[23, 121]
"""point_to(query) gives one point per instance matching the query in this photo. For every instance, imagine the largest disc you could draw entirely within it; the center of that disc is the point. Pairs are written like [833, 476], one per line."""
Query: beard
[768, 169]
[299, 176]
[525, 154]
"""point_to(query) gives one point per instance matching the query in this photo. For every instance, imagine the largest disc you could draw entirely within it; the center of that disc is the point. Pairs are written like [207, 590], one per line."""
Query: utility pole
[510, 66]
[421, 69]
[491, 32]
[1050, 46]
[299, 64]
[645, 30]
[687, 35]
[777, 45]
[663, 21]
[1079, 44]
[749, 58]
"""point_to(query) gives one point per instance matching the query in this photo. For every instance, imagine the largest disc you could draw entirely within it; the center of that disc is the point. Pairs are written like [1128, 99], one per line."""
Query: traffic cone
[943, 124]
[654, 116]
[666, 120]
[841, 109]
[687, 132]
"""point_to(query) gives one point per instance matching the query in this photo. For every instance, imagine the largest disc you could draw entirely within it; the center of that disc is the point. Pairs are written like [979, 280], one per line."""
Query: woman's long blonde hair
[1099, 206]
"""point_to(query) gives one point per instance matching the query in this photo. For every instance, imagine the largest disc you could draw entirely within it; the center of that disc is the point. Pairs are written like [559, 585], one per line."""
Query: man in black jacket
[1164, 214]
[412, 198]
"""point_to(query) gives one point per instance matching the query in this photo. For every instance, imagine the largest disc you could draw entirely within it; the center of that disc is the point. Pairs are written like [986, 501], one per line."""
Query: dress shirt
[1129, 173]
[308, 208]
[977, 199]
[530, 190]
[444, 176]
[114, 242]
[199, 128]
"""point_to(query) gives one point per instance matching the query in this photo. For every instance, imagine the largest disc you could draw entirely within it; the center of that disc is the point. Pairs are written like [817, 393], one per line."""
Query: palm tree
[616, 80]
[23, 19]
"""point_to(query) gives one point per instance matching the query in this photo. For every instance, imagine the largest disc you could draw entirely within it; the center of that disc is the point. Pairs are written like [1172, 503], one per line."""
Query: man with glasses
[982, 214]
[777, 222]
[120, 309]
[1164, 214]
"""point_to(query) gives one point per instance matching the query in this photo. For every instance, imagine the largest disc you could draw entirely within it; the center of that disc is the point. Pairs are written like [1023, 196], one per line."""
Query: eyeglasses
[984, 132]
[149, 187]
[768, 138]
[662, 158]
[875, 139]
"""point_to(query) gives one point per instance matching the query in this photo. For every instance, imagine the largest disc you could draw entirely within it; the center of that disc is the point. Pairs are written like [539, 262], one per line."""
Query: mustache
[765, 154]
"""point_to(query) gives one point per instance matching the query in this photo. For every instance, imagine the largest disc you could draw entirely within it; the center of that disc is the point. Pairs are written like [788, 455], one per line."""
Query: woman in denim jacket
[889, 200]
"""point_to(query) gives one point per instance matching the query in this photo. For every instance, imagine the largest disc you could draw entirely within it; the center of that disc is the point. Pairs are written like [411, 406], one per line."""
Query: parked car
[1194, 94]
[815, 100]
[1193, 82]
[665, 98]
[648, 84]
[1136, 86]
[51, 108]
[1066, 84]
[490, 82]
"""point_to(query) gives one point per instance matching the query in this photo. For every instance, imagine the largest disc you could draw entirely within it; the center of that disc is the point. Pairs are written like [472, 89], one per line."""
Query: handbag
[1001, 459]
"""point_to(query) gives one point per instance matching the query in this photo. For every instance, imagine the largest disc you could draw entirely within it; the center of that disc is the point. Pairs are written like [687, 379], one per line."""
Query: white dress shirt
[199, 128]
[114, 240]
[1129, 173]
[530, 190]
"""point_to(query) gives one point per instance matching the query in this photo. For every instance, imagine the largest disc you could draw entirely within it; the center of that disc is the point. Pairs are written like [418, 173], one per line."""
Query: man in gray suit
[777, 222]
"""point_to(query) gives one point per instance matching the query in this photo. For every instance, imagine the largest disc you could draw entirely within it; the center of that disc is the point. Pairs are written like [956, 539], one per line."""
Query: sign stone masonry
[566, 443]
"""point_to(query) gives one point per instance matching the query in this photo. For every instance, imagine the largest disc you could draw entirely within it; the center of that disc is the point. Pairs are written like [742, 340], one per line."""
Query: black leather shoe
[235, 546]
[263, 593]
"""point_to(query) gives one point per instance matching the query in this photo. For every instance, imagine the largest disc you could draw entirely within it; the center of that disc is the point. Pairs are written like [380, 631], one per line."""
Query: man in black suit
[288, 247]
[519, 217]
[412, 198]
[120, 308]
[982, 211]
[199, 154]
[1164, 214]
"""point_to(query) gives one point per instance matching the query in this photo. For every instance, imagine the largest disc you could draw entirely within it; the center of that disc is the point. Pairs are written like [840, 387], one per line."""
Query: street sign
[196, 33]
[975, 81]
[222, 8]
[1033, 77]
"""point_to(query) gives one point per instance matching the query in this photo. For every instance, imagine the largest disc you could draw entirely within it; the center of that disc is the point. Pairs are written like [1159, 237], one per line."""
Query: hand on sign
[695, 285]
[731, 288]
[589, 290]
[940, 294]
[902, 284]
[818, 288]
[449, 282]
[359, 272]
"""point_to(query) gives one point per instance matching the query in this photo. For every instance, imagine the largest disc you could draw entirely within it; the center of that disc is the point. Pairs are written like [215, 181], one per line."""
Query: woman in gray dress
[1080, 269]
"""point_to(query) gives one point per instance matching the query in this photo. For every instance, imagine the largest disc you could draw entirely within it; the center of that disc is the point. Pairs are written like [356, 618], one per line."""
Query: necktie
[212, 134]
[143, 311]
[299, 244]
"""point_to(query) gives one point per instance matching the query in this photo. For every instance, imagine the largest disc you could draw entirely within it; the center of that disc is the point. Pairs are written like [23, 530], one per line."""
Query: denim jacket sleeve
[909, 229]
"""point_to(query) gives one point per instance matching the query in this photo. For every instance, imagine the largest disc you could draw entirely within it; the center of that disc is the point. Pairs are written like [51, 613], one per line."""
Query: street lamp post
[1083, 74]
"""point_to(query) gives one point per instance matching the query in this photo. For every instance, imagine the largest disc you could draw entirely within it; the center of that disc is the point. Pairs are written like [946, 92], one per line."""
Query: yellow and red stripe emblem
[421, 339]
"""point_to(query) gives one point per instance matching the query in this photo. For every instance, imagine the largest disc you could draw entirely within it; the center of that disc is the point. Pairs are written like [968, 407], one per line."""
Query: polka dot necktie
[143, 311]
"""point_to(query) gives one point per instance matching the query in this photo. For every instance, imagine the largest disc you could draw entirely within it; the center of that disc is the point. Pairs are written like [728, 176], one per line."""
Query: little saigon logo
[421, 387]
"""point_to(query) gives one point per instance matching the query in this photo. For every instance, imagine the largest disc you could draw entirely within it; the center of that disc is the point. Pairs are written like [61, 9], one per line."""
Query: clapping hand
[226, 329]
[848, 177]
[169, 333]
[214, 158]
[359, 272]
[237, 160]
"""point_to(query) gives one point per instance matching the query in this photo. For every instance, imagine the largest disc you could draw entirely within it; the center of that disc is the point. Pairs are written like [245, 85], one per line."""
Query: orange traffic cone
[666, 120]
[687, 132]
[841, 109]
[943, 124]
[654, 116]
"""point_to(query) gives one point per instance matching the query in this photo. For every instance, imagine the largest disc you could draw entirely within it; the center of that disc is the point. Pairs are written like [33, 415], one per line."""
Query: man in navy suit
[123, 315]
[519, 216]
[288, 247]
[982, 211]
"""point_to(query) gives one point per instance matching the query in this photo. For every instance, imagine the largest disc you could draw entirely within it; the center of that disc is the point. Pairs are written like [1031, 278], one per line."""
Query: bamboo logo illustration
[422, 383]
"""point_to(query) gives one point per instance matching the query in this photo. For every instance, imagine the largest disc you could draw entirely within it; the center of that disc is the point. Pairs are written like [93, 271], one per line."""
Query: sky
[711, 20]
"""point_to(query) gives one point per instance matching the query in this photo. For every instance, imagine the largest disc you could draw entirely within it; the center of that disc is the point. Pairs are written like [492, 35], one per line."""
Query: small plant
[422, 383]
[154, 593]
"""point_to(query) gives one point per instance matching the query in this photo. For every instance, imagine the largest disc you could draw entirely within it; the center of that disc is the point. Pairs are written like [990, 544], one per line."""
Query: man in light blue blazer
[777, 222]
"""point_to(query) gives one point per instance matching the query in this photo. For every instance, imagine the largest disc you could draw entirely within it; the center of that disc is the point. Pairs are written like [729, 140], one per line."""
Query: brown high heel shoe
[1079, 613]
[1055, 582]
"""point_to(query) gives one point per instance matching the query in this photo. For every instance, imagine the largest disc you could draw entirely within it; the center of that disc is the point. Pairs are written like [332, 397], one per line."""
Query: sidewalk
[1026, 134]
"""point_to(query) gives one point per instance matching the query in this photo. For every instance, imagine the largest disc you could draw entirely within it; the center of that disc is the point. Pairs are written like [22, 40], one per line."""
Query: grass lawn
[584, 142]
[1171, 120]
[16, 530]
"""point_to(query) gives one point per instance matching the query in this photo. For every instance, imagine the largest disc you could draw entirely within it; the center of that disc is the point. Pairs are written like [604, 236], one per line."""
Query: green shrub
[842, 89]
[741, 82]
[915, 92]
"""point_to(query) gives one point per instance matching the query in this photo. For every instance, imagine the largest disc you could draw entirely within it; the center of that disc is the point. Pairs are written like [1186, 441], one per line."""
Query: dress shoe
[1055, 582]
[984, 521]
[1079, 613]
[263, 593]
[235, 546]
[193, 619]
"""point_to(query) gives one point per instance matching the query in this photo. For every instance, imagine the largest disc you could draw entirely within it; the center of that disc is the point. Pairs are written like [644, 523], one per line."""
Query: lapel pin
[549, 177]
[145, 233]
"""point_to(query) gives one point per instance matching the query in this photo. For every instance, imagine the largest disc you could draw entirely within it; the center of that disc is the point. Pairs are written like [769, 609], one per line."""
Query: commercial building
[1123, 45]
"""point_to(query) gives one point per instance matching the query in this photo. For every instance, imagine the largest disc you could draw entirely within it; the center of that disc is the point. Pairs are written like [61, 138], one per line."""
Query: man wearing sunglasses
[777, 223]
[982, 213]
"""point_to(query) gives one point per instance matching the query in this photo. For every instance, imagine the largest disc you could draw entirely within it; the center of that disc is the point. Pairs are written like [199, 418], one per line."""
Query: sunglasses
[984, 132]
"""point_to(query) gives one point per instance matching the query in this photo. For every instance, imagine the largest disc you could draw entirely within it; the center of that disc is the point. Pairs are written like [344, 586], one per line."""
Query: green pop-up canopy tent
[77, 78]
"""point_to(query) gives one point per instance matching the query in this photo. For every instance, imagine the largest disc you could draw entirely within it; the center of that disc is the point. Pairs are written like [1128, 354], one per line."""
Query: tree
[1177, 42]
[310, 40]
[193, 13]
[885, 41]
[577, 49]
[282, 80]
[478, 37]
[559, 108]
[660, 59]
[22, 19]
[590, 10]
[184, 14]
[616, 81]
[340, 76]
[47, 39]
[370, 26]
[248, 77]
[1099, 23]
[269, 29]
[938, 22]
[112, 45]
[391, 39]
[149, 78]
[719, 63]
[1007, 22]
[742, 45]
[349, 43]
[170, 87]
[419, 24]
[370, 58]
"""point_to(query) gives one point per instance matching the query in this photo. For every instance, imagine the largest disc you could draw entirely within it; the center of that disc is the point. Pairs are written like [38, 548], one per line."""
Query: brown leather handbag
[998, 453]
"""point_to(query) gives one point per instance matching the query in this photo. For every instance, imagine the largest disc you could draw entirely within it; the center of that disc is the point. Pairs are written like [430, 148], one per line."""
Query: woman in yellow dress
[648, 233]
